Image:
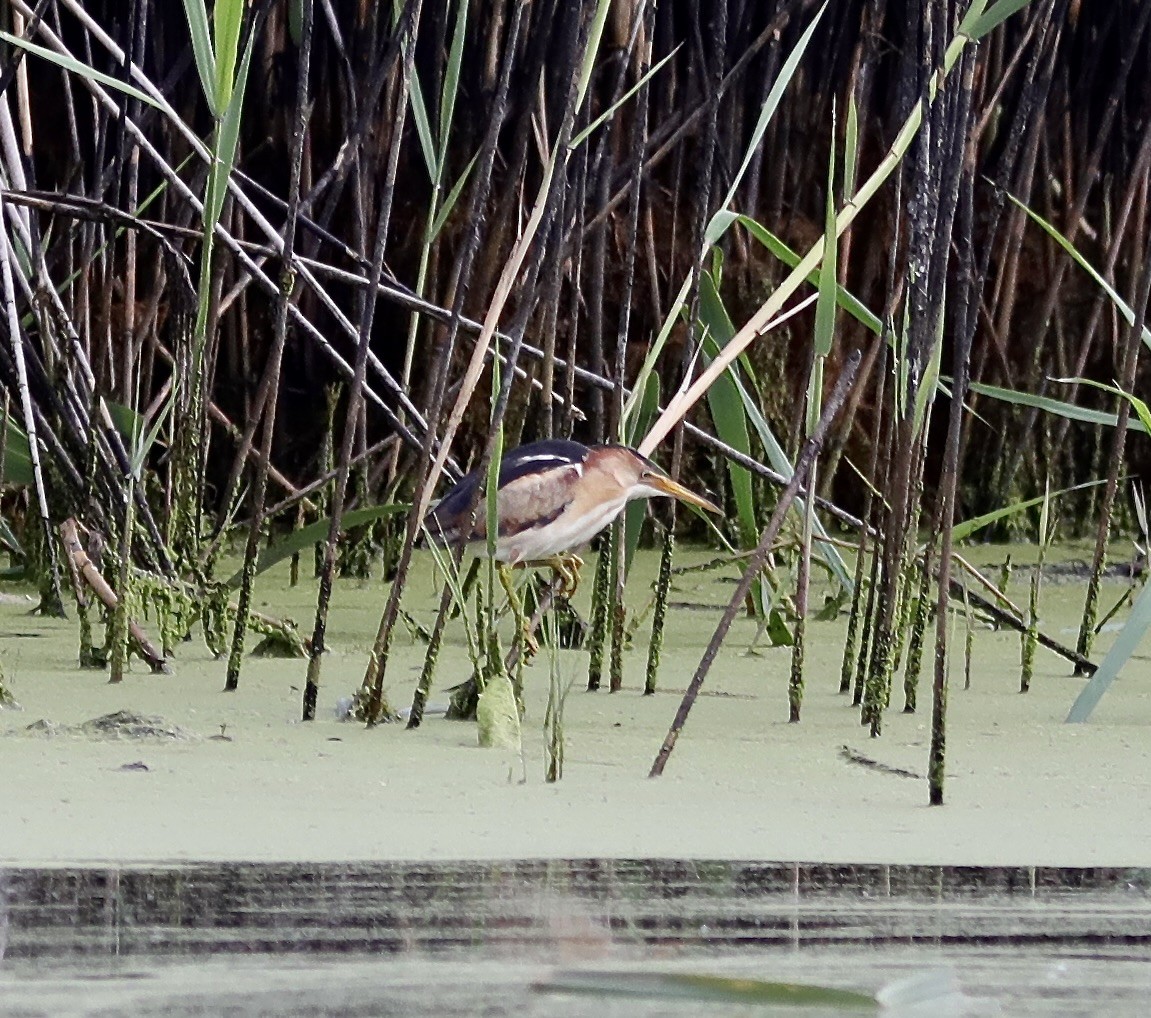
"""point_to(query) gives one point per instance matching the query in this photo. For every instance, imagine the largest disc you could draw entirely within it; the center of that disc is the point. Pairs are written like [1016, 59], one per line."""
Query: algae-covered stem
[371, 688]
[966, 310]
[275, 356]
[597, 631]
[662, 589]
[759, 556]
[851, 644]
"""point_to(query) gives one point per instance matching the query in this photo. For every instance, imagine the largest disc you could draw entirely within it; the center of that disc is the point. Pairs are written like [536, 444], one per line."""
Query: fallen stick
[82, 566]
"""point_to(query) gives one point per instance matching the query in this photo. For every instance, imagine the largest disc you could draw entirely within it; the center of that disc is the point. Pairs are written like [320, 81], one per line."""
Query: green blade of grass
[450, 202]
[850, 148]
[423, 128]
[583, 135]
[1058, 407]
[225, 151]
[227, 17]
[850, 303]
[204, 53]
[316, 532]
[980, 25]
[767, 111]
[452, 74]
[78, 67]
[591, 51]
[1123, 307]
[1139, 406]
[826, 302]
[17, 457]
[967, 528]
[726, 407]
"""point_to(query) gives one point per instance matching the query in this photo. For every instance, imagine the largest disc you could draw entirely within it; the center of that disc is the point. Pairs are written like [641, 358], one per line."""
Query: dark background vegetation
[1061, 102]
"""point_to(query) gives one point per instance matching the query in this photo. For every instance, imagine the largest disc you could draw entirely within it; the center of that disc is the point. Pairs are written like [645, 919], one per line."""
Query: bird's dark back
[532, 458]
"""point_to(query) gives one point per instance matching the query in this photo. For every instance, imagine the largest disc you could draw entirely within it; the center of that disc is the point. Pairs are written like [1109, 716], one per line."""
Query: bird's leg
[515, 602]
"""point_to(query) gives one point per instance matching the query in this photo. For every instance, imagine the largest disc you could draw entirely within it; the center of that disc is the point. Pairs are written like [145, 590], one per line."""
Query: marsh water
[249, 863]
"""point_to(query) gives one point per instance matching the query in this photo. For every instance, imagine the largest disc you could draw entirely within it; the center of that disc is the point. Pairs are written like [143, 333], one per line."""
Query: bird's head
[641, 478]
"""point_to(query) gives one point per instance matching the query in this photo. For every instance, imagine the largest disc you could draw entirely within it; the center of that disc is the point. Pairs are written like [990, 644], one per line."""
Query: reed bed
[274, 272]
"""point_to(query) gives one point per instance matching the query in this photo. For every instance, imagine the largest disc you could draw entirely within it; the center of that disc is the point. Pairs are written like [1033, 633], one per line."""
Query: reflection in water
[475, 937]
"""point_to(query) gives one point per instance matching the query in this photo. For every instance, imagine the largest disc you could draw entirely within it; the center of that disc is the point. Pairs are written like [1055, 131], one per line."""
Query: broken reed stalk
[431, 656]
[922, 611]
[759, 557]
[276, 354]
[1030, 637]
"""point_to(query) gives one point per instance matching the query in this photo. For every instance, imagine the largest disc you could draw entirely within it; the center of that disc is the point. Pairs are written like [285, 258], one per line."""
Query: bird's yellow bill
[677, 490]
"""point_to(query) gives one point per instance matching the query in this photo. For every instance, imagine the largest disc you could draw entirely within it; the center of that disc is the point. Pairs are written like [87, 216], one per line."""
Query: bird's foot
[567, 569]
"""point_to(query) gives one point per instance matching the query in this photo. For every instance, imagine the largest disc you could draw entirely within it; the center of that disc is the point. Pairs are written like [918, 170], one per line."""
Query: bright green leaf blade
[204, 53]
[1142, 411]
[964, 530]
[450, 202]
[580, 138]
[423, 128]
[9, 542]
[78, 67]
[1125, 645]
[974, 13]
[17, 458]
[828, 289]
[851, 148]
[726, 409]
[771, 103]
[851, 304]
[224, 159]
[1052, 406]
[452, 74]
[1123, 307]
[144, 445]
[591, 52]
[296, 20]
[313, 533]
[228, 17]
[128, 421]
[993, 18]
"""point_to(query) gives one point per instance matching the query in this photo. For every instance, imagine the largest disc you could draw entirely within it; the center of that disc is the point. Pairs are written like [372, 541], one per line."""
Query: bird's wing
[446, 521]
[537, 498]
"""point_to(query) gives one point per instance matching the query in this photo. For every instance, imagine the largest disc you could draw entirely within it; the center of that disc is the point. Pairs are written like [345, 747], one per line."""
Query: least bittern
[554, 497]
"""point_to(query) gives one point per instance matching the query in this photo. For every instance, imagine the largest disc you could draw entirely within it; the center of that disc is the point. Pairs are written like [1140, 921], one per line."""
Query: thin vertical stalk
[1115, 459]
[355, 405]
[275, 356]
[758, 558]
